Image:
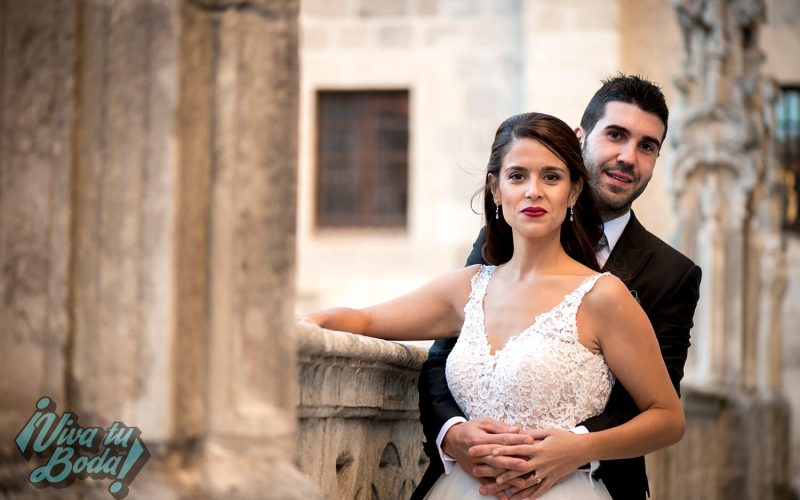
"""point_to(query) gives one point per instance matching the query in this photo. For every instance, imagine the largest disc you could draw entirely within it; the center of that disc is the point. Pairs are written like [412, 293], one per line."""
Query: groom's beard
[608, 197]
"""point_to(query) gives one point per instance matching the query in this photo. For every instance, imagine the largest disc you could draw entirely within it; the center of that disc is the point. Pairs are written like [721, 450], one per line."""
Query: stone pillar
[123, 215]
[37, 55]
[251, 52]
[123, 356]
[147, 212]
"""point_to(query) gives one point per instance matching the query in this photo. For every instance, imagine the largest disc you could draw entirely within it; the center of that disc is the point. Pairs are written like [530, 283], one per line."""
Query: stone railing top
[348, 376]
[316, 341]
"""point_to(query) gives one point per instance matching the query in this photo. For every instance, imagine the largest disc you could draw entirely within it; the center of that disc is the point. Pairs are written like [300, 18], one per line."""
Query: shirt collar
[613, 229]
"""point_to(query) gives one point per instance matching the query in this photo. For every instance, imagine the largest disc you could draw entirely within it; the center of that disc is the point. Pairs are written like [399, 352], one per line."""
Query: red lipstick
[534, 211]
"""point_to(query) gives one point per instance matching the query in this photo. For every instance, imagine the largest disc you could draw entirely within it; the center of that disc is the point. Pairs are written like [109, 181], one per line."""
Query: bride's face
[534, 189]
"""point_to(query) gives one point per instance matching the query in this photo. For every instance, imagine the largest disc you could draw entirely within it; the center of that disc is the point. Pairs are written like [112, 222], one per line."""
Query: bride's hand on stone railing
[306, 320]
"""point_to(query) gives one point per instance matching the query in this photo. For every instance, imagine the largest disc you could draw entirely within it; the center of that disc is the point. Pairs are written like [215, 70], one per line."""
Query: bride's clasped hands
[519, 471]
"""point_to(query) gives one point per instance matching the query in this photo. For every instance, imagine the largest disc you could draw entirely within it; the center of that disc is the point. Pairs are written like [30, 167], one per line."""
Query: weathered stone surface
[359, 431]
[252, 200]
[323, 8]
[727, 185]
[251, 425]
[146, 236]
[424, 7]
[734, 447]
[458, 8]
[381, 8]
[194, 129]
[347, 36]
[37, 56]
[398, 35]
[286, 9]
[123, 215]
[147, 220]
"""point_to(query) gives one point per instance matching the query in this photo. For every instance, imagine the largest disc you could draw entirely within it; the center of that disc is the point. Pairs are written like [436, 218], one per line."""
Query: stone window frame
[362, 158]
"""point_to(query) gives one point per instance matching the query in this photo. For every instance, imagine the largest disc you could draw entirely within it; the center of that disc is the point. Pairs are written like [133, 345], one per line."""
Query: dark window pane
[362, 158]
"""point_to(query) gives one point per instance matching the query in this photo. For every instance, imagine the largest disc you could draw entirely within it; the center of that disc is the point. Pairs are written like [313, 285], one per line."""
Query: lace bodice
[542, 377]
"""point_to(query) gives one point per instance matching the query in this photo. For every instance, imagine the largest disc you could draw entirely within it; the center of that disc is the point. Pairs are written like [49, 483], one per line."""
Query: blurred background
[179, 178]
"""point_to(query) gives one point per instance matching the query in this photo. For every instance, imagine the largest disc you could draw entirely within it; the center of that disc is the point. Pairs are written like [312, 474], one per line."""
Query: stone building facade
[154, 228]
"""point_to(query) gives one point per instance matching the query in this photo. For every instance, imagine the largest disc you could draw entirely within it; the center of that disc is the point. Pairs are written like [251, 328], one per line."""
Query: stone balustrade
[359, 435]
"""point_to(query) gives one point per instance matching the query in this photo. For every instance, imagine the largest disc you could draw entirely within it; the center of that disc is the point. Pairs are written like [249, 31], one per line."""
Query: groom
[621, 133]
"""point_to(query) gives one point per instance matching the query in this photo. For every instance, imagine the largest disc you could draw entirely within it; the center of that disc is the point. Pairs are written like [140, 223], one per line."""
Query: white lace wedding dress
[543, 377]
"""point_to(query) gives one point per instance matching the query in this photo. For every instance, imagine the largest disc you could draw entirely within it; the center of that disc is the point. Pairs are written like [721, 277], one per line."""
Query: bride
[542, 334]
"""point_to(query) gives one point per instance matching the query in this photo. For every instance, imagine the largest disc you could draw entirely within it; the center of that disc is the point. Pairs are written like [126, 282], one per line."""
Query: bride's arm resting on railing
[433, 311]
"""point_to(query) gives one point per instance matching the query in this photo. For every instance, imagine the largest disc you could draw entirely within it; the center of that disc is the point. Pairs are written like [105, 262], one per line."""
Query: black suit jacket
[666, 284]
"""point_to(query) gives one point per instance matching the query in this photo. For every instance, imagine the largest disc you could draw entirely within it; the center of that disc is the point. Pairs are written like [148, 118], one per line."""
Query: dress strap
[480, 282]
[576, 296]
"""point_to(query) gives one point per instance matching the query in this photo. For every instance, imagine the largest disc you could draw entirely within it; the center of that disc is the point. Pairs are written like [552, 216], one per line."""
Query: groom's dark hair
[629, 89]
[579, 237]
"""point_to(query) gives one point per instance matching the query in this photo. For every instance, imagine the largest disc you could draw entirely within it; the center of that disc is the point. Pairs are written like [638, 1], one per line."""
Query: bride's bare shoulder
[457, 278]
[455, 286]
[609, 293]
[461, 277]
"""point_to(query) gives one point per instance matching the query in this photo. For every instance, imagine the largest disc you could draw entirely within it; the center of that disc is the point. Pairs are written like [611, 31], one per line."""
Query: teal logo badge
[74, 452]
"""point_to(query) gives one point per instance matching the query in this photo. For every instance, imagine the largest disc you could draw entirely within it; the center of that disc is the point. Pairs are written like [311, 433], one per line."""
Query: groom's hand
[486, 433]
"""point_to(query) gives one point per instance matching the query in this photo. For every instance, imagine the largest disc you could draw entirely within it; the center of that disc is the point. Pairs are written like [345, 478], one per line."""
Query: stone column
[37, 55]
[251, 54]
[123, 214]
[147, 212]
[726, 186]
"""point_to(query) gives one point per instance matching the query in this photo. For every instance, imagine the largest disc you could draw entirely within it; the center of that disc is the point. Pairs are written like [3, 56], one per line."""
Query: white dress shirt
[613, 230]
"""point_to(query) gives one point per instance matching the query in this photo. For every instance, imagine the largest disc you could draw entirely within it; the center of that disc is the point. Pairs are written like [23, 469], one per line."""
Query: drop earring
[571, 214]
[497, 211]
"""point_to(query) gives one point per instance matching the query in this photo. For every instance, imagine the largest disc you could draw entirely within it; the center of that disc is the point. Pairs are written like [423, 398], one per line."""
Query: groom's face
[620, 155]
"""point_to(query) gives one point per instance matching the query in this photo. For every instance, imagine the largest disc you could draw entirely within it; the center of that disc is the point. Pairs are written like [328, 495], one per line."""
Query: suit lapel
[630, 253]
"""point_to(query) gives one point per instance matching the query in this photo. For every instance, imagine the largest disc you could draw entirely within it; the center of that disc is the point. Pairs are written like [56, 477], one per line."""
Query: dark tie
[603, 242]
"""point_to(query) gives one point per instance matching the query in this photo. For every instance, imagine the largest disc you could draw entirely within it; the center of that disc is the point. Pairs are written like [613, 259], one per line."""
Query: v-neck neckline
[485, 333]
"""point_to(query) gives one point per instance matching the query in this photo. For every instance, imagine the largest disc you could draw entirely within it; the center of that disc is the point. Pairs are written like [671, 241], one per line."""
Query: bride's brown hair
[578, 238]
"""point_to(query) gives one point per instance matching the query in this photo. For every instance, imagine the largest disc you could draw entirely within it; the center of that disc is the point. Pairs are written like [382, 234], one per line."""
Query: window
[788, 135]
[362, 158]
